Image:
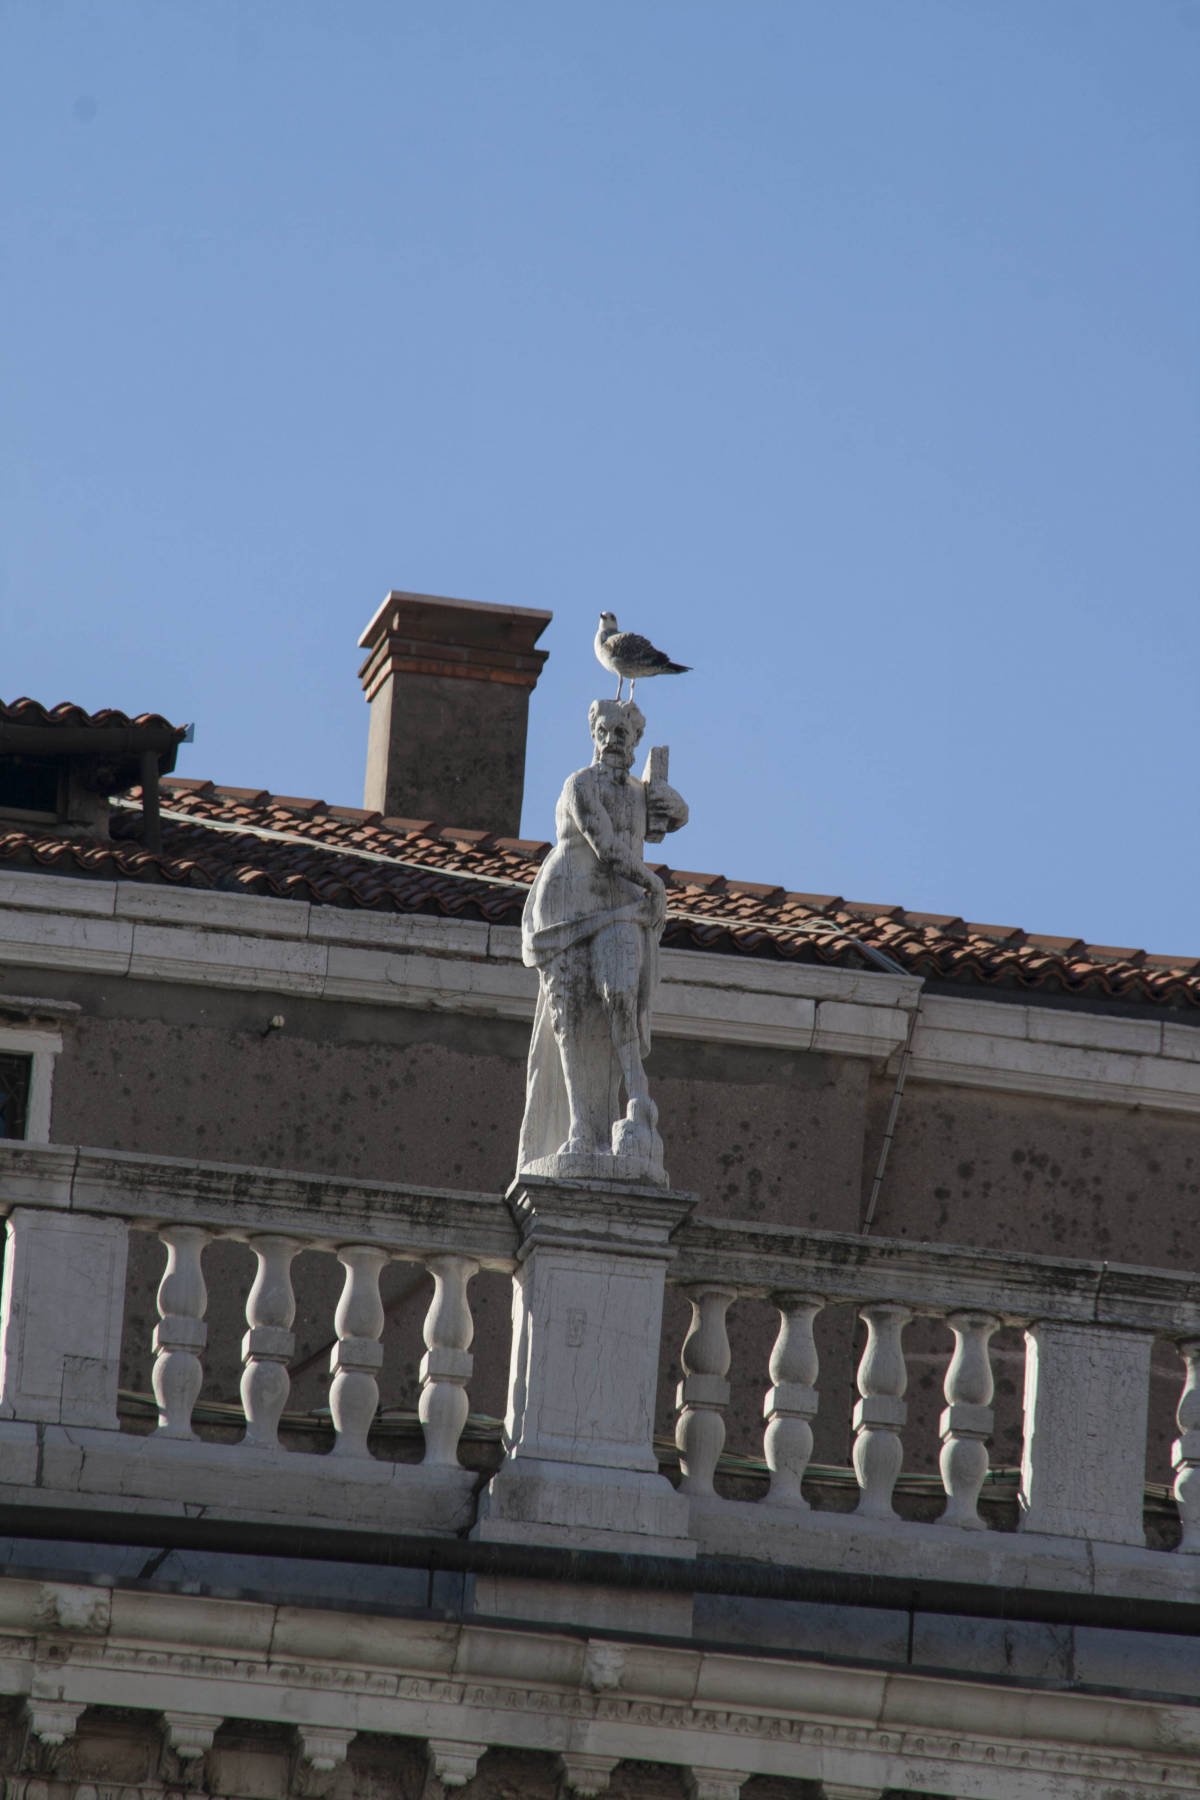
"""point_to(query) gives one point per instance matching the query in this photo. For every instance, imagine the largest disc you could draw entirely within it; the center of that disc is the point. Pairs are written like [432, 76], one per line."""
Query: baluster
[447, 1363]
[880, 1414]
[181, 1333]
[700, 1396]
[269, 1344]
[1185, 1451]
[968, 1419]
[791, 1402]
[357, 1357]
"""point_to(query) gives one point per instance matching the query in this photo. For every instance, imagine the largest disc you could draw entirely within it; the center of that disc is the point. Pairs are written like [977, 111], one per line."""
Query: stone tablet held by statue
[591, 929]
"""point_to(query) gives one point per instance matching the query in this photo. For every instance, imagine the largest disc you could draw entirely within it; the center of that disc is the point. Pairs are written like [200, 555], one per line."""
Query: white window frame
[44, 1045]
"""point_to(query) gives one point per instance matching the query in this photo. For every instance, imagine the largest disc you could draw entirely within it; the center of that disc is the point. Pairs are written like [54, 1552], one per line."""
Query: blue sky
[849, 349]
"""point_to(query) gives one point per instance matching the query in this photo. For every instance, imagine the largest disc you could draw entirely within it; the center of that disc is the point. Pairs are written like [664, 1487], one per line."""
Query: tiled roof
[244, 841]
[31, 712]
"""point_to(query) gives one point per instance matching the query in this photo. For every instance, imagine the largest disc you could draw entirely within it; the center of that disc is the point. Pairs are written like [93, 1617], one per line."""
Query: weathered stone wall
[1015, 1172]
[401, 1095]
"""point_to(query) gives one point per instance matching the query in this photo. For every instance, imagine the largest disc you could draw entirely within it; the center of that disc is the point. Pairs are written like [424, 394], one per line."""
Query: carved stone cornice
[711, 1711]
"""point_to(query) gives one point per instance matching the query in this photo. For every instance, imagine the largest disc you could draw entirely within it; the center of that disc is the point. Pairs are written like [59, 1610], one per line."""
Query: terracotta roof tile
[463, 834]
[537, 848]
[252, 797]
[691, 878]
[31, 712]
[945, 922]
[292, 803]
[343, 856]
[757, 890]
[818, 902]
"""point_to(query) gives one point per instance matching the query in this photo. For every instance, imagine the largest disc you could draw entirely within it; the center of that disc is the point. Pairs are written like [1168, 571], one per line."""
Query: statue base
[598, 1165]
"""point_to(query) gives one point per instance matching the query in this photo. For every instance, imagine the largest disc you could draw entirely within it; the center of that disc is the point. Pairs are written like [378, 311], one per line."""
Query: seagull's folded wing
[631, 647]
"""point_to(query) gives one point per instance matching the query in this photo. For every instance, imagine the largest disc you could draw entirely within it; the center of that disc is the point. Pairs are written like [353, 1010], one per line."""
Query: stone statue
[591, 928]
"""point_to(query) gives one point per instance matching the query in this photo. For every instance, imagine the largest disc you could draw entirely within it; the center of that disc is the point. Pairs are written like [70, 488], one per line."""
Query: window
[30, 786]
[15, 1074]
[28, 1051]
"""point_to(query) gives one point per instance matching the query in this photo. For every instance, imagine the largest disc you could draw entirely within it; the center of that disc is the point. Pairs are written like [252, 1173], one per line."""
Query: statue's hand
[633, 870]
[629, 868]
[665, 810]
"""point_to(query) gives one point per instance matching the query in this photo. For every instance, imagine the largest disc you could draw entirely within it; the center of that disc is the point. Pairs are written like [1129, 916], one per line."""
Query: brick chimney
[448, 683]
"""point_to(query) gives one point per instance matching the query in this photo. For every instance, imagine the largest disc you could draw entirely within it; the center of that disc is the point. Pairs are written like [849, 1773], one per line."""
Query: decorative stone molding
[448, 965]
[320, 1753]
[586, 1776]
[191, 1735]
[777, 1714]
[715, 1784]
[324, 1746]
[603, 1666]
[65, 1606]
[1063, 1053]
[52, 1722]
[451, 1762]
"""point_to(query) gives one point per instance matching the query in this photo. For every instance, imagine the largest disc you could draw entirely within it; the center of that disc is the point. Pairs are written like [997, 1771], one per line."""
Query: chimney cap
[439, 619]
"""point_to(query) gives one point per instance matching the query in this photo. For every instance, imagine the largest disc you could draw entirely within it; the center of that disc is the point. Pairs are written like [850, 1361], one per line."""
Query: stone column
[580, 1469]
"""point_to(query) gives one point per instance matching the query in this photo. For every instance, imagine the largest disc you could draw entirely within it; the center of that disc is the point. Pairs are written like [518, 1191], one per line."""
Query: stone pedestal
[1083, 1468]
[61, 1312]
[580, 1469]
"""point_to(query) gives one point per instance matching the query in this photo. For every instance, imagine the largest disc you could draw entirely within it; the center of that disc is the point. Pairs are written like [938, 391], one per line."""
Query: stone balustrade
[69, 1216]
[1089, 1330]
[588, 1268]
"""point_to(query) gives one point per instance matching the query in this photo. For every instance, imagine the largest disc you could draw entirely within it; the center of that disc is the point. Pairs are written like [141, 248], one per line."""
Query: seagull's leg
[632, 685]
[620, 685]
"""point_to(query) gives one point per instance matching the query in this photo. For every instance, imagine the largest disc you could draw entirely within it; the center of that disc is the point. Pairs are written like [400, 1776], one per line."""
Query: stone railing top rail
[328, 1211]
[238, 1201]
[937, 1278]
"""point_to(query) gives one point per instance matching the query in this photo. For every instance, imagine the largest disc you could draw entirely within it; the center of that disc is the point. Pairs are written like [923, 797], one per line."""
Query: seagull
[630, 656]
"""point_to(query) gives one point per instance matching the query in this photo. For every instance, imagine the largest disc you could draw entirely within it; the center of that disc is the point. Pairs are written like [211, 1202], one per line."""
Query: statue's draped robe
[571, 901]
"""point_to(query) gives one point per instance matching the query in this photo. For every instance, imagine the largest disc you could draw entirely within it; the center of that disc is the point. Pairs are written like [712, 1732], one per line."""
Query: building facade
[876, 1479]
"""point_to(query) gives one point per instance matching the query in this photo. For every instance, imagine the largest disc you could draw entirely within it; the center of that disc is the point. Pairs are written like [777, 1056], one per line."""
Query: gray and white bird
[630, 657]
